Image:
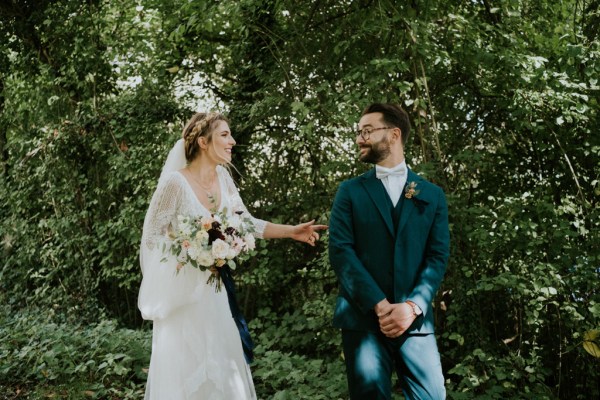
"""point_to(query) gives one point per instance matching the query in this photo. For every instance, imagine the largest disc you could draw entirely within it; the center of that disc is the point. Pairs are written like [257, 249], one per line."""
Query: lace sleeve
[236, 203]
[162, 211]
[162, 290]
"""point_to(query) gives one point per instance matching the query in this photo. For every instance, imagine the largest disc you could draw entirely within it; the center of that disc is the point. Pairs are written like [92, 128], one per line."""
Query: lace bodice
[174, 196]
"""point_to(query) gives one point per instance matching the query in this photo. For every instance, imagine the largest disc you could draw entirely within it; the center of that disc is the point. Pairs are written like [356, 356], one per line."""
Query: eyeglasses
[365, 133]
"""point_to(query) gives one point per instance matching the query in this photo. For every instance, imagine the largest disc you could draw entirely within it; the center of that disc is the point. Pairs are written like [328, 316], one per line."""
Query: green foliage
[291, 376]
[87, 181]
[89, 361]
[504, 101]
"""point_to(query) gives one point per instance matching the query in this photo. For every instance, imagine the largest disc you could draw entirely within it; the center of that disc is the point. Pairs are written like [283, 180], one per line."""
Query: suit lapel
[409, 205]
[378, 195]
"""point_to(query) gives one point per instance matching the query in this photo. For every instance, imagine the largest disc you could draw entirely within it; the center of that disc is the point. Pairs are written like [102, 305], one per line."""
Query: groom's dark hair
[393, 115]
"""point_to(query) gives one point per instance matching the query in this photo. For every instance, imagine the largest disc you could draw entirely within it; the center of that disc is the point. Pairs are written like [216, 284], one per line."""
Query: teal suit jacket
[372, 262]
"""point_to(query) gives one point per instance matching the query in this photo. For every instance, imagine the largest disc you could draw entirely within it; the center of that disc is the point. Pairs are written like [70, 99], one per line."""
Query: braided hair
[200, 125]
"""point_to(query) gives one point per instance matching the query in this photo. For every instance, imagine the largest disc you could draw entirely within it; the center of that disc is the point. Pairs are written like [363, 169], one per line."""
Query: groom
[389, 246]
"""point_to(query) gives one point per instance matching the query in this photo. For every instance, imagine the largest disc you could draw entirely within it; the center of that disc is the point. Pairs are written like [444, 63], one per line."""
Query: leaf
[591, 342]
[231, 264]
[459, 338]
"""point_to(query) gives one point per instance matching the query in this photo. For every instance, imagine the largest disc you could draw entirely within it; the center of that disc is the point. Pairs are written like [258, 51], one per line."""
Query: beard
[376, 152]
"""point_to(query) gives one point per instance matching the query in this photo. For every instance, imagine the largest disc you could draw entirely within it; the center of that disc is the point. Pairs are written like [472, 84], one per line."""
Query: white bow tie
[382, 172]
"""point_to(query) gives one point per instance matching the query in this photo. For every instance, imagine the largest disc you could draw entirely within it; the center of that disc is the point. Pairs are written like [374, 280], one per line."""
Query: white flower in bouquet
[206, 222]
[220, 249]
[193, 252]
[238, 244]
[235, 221]
[233, 253]
[250, 242]
[205, 258]
[185, 228]
[182, 257]
[202, 237]
[183, 251]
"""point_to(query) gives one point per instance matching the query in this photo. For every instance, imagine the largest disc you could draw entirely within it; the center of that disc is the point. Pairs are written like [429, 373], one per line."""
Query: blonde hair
[200, 125]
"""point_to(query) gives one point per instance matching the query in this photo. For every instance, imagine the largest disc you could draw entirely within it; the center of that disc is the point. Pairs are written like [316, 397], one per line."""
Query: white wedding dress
[196, 347]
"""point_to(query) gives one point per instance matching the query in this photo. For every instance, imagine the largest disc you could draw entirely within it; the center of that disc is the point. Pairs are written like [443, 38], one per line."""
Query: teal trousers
[371, 358]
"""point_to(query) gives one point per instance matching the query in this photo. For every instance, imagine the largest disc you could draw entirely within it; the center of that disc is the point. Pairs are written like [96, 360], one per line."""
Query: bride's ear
[202, 142]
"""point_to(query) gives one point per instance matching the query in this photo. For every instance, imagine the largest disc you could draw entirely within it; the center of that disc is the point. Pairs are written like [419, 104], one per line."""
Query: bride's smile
[222, 144]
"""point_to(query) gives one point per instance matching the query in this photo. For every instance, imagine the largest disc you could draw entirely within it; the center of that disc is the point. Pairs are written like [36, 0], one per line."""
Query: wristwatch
[415, 308]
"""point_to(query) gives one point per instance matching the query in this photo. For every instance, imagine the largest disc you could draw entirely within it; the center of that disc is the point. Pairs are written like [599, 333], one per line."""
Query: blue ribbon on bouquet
[236, 313]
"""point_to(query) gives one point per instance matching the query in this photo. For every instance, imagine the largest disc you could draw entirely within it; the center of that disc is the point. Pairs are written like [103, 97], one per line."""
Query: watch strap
[415, 308]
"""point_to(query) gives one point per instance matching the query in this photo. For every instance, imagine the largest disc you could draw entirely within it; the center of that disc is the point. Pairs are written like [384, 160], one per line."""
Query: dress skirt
[197, 354]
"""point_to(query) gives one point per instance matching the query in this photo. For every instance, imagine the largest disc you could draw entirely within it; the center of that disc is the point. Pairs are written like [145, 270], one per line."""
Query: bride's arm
[306, 232]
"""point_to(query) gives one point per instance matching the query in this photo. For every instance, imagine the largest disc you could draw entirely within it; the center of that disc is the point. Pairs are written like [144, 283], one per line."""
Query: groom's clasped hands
[394, 319]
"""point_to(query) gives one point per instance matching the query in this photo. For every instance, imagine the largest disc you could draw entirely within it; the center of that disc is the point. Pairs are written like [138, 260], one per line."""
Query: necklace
[207, 190]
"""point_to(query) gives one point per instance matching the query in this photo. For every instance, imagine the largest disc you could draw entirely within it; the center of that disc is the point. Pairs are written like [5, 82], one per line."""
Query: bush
[48, 352]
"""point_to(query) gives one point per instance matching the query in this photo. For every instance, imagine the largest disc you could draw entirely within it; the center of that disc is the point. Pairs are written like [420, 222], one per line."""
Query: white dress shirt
[393, 180]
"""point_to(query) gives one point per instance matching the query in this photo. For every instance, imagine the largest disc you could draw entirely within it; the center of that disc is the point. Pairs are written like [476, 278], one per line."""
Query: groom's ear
[397, 132]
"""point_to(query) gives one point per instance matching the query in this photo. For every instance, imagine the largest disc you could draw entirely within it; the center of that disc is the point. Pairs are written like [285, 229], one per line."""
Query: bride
[197, 350]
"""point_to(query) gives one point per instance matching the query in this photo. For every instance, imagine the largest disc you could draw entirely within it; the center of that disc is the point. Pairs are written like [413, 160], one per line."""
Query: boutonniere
[411, 193]
[411, 190]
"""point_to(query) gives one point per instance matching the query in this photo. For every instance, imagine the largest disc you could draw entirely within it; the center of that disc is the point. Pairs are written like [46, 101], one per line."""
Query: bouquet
[210, 243]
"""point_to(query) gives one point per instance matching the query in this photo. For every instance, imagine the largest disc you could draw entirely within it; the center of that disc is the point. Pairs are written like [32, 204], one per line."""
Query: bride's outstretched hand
[307, 232]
